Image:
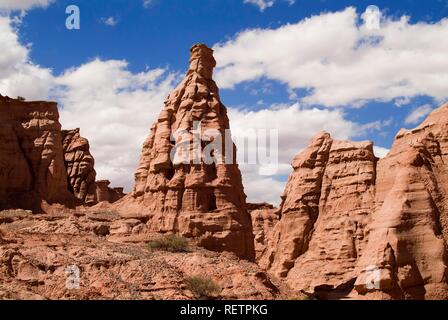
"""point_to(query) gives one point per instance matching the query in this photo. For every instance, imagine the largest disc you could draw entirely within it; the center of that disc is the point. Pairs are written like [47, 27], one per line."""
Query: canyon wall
[32, 166]
[40, 164]
[352, 225]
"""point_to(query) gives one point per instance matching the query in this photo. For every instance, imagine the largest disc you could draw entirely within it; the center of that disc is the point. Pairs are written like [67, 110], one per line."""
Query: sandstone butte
[42, 167]
[351, 225]
[176, 188]
[32, 166]
[80, 166]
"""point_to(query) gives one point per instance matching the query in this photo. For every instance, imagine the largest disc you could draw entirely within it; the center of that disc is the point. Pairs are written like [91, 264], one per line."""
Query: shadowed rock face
[31, 155]
[105, 193]
[199, 195]
[352, 225]
[80, 166]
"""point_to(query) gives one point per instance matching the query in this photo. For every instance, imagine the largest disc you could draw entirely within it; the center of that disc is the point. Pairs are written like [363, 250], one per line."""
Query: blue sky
[161, 35]
[153, 40]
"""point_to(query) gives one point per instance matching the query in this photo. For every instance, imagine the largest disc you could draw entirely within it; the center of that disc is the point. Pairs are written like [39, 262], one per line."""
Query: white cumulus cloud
[114, 109]
[418, 114]
[10, 5]
[295, 127]
[340, 62]
[380, 152]
[261, 4]
[18, 75]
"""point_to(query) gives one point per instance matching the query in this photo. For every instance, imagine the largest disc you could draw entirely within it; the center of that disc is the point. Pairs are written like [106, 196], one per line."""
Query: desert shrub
[171, 243]
[202, 287]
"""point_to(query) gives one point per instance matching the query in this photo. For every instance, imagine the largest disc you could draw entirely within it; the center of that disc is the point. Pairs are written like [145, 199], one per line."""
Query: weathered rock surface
[188, 179]
[299, 208]
[339, 233]
[352, 225]
[31, 156]
[106, 193]
[41, 254]
[264, 218]
[408, 236]
[80, 166]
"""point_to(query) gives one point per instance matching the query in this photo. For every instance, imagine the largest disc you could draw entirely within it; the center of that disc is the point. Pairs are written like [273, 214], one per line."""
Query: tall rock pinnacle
[188, 180]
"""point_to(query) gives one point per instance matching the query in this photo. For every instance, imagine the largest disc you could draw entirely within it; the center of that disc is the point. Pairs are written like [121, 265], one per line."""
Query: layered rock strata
[80, 166]
[353, 225]
[188, 180]
[32, 166]
[407, 246]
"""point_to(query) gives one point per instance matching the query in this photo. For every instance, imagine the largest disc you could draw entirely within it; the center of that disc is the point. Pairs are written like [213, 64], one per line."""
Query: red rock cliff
[80, 166]
[351, 225]
[31, 155]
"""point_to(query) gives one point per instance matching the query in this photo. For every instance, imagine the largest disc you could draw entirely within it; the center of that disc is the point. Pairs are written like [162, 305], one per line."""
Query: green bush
[171, 243]
[202, 287]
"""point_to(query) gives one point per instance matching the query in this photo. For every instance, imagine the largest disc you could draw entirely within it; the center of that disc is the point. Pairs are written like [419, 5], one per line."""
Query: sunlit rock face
[354, 225]
[188, 180]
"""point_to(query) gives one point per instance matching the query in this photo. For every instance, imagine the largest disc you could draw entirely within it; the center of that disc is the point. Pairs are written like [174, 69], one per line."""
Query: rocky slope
[188, 179]
[73, 255]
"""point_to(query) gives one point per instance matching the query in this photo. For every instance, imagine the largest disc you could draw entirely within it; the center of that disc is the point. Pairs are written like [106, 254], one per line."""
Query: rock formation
[105, 193]
[339, 233]
[407, 245]
[351, 225]
[264, 218]
[80, 166]
[31, 157]
[188, 180]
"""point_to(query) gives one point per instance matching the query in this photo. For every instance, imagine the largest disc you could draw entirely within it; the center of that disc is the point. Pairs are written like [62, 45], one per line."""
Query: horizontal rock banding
[181, 190]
